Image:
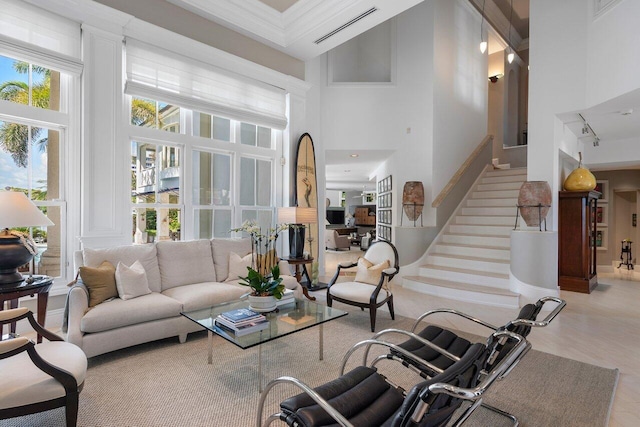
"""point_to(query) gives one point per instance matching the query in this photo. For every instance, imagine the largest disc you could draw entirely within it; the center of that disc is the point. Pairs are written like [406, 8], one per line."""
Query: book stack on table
[242, 321]
[287, 298]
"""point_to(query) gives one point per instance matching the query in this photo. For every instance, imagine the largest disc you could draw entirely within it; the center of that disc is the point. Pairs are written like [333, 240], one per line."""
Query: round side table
[299, 264]
[30, 286]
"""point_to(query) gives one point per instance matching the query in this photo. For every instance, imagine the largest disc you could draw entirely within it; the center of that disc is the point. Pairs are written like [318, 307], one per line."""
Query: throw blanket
[65, 315]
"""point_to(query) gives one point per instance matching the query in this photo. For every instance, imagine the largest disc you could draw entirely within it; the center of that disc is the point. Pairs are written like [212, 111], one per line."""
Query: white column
[106, 171]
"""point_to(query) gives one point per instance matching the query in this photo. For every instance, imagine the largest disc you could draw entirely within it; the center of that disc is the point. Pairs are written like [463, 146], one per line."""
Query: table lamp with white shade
[297, 218]
[16, 210]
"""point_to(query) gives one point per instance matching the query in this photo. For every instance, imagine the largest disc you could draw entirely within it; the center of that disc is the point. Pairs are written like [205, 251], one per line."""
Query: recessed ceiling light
[354, 155]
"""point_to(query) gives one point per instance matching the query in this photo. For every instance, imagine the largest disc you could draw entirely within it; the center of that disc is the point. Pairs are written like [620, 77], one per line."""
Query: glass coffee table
[288, 319]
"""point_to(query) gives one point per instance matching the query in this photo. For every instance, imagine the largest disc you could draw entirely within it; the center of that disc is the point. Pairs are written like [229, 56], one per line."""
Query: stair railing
[460, 172]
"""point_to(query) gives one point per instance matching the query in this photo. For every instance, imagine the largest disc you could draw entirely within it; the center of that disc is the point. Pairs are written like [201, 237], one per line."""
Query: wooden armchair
[39, 377]
[370, 288]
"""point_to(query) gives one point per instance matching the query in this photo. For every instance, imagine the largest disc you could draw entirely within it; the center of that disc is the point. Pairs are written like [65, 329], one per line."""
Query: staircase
[470, 259]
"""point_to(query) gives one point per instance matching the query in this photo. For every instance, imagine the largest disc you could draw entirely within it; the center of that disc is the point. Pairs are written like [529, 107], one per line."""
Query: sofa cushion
[118, 313]
[206, 294]
[238, 266]
[131, 281]
[146, 254]
[221, 250]
[100, 281]
[185, 263]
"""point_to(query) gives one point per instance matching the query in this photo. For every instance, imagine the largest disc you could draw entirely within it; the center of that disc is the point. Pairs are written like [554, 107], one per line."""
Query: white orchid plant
[264, 274]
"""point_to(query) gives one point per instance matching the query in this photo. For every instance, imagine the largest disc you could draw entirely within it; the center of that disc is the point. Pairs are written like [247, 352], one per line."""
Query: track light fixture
[586, 128]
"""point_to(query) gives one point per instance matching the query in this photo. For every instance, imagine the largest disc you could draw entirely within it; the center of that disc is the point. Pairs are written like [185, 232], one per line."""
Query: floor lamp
[297, 218]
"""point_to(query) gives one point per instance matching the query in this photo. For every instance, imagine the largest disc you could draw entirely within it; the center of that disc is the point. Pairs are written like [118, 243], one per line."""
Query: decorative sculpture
[534, 201]
[413, 199]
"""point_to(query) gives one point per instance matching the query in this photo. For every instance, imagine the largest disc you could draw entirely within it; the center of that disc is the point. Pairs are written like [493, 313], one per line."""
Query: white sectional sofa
[182, 276]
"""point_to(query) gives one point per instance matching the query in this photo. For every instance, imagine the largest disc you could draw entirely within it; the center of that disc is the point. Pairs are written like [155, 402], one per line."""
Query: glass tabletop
[288, 319]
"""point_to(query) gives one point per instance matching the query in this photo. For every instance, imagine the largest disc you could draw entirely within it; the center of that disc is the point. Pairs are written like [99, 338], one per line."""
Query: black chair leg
[71, 409]
[372, 315]
[390, 305]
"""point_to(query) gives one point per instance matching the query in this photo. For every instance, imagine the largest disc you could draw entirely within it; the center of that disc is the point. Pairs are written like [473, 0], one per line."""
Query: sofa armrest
[78, 304]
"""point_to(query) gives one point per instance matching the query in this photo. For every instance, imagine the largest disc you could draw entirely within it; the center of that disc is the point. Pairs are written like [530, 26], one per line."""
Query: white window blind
[40, 37]
[160, 74]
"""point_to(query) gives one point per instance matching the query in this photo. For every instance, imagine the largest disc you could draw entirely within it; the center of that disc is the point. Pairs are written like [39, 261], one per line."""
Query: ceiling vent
[348, 24]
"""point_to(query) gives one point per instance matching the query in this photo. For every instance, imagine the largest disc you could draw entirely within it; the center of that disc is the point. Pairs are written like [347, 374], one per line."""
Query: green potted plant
[265, 290]
[263, 276]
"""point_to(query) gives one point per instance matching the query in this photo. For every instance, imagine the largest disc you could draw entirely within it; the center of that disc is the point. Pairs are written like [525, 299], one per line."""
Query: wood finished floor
[600, 328]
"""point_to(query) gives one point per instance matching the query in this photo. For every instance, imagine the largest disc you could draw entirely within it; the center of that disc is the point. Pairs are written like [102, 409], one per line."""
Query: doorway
[625, 224]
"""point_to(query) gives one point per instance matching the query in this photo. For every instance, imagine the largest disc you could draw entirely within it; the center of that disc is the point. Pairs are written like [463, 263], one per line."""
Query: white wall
[496, 103]
[334, 197]
[460, 89]
[613, 58]
[557, 83]
[435, 114]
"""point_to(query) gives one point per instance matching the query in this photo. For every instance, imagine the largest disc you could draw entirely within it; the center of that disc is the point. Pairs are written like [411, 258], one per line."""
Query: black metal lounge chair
[364, 397]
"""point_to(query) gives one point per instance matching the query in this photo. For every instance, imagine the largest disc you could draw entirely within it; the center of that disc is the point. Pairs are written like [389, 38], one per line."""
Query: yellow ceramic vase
[580, 179]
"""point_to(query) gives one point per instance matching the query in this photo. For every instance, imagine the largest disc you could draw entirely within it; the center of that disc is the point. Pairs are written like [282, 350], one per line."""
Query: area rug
[165, 383]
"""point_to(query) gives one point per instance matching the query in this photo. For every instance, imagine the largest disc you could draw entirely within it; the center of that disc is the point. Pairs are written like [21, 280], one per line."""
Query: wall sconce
[495, 77]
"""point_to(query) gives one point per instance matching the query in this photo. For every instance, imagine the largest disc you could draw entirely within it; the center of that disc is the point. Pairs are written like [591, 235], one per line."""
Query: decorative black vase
[296, 240]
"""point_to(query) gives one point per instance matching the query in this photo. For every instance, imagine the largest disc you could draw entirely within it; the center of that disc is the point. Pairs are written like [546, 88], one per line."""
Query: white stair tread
[472, 258]
[510, 171]
[507, 202]
[479, 247]
[479, 235]
[462, 286]
[465, 271]
[495, 194]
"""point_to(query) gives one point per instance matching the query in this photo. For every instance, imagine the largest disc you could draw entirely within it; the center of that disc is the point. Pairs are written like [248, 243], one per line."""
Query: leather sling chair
[363, 397]
[39, 377]
[420, 344]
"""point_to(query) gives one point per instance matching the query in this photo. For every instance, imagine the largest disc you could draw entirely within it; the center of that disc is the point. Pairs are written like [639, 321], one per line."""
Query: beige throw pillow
[369, 273]
[131, 281]
[238, 266]
[100, 281]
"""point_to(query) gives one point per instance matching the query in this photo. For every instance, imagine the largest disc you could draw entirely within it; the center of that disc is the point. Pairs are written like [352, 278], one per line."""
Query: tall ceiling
[279, 5]
[520, 17]
[303, 29]
[294, 27]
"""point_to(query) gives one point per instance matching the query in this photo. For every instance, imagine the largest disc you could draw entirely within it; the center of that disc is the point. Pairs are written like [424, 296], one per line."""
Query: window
[230, 173]
[211, 194]
[155, 192]
[256, 136]
[156, 115]
[31, 153]
[226, 126]
[208, 126]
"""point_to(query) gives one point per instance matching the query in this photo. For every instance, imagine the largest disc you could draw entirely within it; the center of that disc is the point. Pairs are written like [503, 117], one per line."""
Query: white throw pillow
[238, 266]
[369, 273]
[131, 281]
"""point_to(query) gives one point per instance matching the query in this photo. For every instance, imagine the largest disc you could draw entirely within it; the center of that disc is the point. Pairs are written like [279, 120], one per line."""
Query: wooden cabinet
[365, 216]
[576, 241]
